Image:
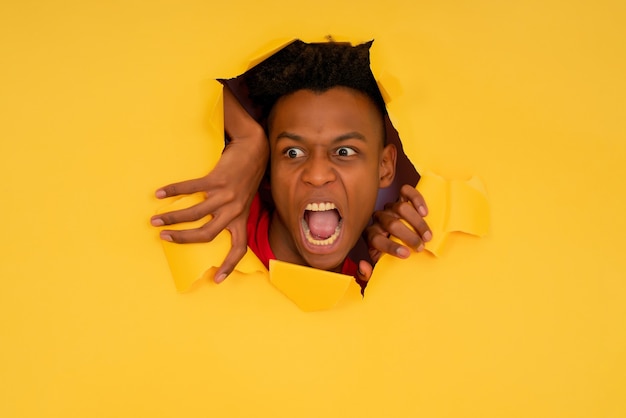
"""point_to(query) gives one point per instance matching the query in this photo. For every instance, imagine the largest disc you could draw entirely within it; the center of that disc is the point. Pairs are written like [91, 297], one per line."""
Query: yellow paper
[453, 206]
[191, 262]
[216, 121]
[102, 103]
[458, 211]
[309, 288]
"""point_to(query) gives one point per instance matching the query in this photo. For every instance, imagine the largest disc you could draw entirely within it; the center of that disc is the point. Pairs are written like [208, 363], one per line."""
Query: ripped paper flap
[190, 262]
[312, 289]
[453, 206]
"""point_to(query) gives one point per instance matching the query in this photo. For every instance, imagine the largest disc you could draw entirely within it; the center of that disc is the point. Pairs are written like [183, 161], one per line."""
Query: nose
[318, 171]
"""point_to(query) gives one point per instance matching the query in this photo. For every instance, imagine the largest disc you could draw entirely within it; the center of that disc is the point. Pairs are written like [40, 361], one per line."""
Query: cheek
[363, 191]
[283, 181]
[282, 188]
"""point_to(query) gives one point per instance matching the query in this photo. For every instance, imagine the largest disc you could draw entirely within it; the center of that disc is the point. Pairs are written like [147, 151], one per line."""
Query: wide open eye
[294, 152]
[345, 152]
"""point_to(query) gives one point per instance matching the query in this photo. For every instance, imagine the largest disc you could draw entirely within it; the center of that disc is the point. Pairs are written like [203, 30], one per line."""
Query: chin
[329, 258]
[326, 262]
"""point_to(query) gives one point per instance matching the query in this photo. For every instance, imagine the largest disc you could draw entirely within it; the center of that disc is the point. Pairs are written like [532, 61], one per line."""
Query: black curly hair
[312, 66]
[318, 67]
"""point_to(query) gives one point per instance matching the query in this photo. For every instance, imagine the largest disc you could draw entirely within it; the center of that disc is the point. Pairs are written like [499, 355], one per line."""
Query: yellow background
[102, 102]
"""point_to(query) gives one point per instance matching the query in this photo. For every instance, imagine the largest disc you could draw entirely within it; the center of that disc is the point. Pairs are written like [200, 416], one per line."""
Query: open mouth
[321, 223]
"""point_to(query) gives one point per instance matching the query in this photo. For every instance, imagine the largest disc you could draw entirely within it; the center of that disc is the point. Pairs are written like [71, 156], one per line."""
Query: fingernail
[166, 237]
[157, 222]
[420, 248]
[220, 278]
[427, 236]
[422, 210]
[403, 252]
[160, 194]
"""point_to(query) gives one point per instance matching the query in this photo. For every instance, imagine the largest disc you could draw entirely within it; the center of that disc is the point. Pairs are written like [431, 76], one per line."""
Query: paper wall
[103, 103]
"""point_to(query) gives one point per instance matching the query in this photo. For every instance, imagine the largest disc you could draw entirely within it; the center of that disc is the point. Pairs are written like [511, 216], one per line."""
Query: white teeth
[327, 241]
[320, 207]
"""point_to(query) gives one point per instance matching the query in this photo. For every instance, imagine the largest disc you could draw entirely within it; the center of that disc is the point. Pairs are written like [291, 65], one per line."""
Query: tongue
[323, 224]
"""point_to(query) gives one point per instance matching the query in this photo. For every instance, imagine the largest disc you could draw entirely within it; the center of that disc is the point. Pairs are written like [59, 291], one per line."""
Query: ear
[387, 171]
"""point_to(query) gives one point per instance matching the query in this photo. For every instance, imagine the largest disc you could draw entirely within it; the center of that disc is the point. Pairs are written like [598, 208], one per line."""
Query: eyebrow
[340, 138]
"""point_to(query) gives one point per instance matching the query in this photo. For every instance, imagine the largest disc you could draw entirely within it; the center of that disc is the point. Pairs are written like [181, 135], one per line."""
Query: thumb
[364, 272]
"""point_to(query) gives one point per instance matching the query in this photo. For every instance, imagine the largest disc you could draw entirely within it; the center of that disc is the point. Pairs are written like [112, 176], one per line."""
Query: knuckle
[239, 252]
[413, 241]
[388, 246]
[407, 190]
[238, 207]
[195, 213]
[398, 206]
[223, 198]
[171, 190]
[229, 195]
[219, 181]
[208, 233]
[239, 243]
[378, 242]
[167, 218]
[405, 209]
[395, 225]
[422, 226]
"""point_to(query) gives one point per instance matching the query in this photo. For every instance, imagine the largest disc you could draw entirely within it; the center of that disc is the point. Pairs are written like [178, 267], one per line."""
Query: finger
[365, 270]
[238, 250]
[399, 228]
[192, 213]
[407, 212]
[205, 233]
[371, 232]
[215, 203]
[386, 245]
[409, 194]
[374, 254]
[183, 187]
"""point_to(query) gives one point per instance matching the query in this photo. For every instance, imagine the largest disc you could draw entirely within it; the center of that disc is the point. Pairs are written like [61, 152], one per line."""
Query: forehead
[336, 109]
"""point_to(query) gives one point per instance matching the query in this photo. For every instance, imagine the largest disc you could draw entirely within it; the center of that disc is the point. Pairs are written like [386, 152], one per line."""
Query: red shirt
[259, 242]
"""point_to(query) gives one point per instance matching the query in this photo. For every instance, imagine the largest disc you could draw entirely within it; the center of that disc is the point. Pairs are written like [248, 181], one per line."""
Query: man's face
[327, 163]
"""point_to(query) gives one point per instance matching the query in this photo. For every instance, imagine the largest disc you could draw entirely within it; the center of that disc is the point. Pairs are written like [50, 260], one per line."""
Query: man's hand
[229, 188]
[393, 220]
[229, 191]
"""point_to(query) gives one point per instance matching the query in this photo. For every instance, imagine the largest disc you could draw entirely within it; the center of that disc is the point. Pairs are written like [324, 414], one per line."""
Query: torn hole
[405, 170]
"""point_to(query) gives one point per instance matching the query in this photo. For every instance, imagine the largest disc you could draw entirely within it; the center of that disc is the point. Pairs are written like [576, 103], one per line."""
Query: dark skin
[326, 149]
[228, 189]
[229, 192]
